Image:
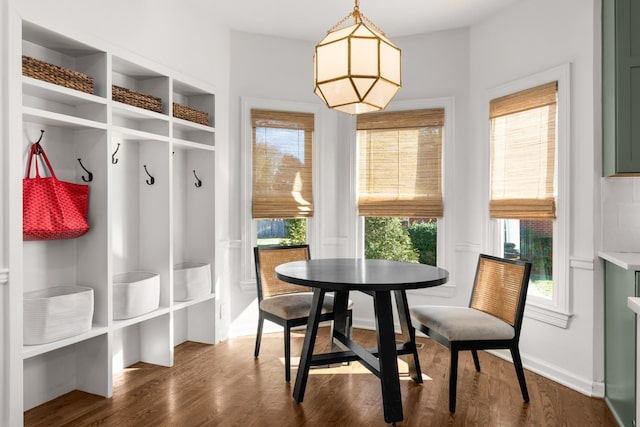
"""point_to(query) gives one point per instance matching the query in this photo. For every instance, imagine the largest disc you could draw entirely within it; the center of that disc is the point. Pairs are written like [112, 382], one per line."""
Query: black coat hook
[37, 143]
[113, 156]
[198, 182]
[151, 179]
[90, 178]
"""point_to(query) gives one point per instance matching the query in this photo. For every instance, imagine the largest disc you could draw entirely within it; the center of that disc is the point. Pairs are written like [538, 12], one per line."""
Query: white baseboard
[555, 374]
[562, 376]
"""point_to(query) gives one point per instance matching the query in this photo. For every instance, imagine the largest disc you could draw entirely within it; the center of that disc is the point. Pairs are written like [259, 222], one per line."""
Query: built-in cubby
[135, 77]
[192, 97]
[151, 179]
[68, 53]
[140, 207]
[57, 101]
[137, 121]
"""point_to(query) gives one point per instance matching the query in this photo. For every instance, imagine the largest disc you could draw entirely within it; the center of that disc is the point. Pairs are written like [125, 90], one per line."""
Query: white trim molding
[547, 314]
[4, 276]
[554, 315]
[557, 310]
[468, 247]
[248, 232]
[554, 373]
[581, 263]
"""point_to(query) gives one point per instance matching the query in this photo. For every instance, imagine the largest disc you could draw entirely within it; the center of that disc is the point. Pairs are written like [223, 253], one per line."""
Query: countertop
[626, 260]
[634, 304]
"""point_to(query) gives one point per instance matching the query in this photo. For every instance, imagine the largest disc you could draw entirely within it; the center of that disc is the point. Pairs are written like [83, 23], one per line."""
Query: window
[523, 171]
[282, 138]
[282, 194]
[400, 183]
[531, 240]
[528, 180]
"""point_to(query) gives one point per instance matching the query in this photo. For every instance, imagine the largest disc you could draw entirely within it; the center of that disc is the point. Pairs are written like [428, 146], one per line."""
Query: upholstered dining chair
[491, 321]
[283, 303]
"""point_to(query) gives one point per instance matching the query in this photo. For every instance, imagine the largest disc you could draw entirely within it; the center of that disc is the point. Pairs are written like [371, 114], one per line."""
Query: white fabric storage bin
[135, 293]
[191, 280]
[55, 313]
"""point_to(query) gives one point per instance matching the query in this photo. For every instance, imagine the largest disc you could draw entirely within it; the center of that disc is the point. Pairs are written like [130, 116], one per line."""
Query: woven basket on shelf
[191, 114]
[137, 99]
[41, 70]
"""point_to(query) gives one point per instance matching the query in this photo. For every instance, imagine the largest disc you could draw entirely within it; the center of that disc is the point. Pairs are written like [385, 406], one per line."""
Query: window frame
[445, 245]
[249, 228]
[555, 311]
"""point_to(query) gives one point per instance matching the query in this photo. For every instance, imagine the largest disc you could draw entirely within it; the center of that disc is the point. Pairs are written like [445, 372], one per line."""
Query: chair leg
[287, 353]
[453, 376]
[259, 335]
[476, 361]
[517, 362]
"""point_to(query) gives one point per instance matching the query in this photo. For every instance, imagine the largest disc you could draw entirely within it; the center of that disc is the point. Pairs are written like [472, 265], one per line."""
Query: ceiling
[310, 20]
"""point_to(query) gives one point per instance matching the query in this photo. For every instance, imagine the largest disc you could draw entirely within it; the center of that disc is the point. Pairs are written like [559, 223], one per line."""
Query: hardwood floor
[223, 385]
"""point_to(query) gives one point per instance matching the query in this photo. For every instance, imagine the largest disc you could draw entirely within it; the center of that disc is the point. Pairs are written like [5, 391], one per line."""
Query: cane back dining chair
[491, 321]
[286, 304]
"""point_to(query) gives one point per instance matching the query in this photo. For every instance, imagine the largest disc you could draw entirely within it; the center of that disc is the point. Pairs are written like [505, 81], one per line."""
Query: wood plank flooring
[223, 385]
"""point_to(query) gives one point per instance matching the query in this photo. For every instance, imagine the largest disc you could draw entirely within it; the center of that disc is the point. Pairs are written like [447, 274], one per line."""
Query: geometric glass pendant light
[356, 69]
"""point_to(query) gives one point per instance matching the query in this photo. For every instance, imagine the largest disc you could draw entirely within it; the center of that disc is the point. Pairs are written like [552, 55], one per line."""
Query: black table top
[354, 274]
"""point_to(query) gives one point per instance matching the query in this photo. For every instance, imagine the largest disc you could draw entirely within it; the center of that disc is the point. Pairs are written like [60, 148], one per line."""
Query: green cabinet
[620, 343]
[620, 87]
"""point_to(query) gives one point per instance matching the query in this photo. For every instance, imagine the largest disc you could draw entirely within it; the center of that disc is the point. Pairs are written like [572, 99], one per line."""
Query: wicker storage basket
[40, 70]
[137, 99]
[55, 313]
[191, 114]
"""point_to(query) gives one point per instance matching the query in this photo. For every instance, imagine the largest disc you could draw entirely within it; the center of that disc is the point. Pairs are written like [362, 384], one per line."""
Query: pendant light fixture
[356, 69]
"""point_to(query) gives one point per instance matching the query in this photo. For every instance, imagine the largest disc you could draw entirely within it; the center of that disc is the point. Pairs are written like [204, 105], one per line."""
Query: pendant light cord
[357, 18]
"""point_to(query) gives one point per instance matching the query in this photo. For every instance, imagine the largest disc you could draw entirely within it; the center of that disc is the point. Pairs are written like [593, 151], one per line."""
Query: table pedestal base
[381, 361]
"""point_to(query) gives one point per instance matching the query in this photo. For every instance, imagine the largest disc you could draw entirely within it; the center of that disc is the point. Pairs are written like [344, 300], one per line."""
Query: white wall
[282, 70]
[271, 68]
[532, 36]
[529, 37]
[4, 333]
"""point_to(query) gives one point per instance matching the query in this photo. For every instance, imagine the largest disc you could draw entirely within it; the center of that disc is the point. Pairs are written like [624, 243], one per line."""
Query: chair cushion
[462, 323]
[296, 305]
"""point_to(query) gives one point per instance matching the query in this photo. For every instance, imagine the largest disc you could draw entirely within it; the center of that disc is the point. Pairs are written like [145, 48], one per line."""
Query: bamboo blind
[400, 159]
[523, 151]
[282, 164]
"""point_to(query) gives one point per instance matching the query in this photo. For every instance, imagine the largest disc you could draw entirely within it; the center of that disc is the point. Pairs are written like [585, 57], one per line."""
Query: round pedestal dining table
[378, 279]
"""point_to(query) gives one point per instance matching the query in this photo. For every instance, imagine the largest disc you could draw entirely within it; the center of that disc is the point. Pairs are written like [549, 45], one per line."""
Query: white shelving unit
[151, 206]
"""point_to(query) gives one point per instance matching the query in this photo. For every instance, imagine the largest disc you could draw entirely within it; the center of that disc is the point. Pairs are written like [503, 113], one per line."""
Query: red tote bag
[52, 209]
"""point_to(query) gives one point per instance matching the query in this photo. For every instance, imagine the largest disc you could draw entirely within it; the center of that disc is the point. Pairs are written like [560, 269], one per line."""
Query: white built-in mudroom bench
[151, 177]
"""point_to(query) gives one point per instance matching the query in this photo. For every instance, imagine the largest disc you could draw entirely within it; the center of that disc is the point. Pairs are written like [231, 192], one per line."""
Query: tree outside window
[401, 239]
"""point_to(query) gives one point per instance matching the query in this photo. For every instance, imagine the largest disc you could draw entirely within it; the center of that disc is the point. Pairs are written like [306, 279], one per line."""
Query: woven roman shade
[400, 159]
[523, 152]
[282, 159]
